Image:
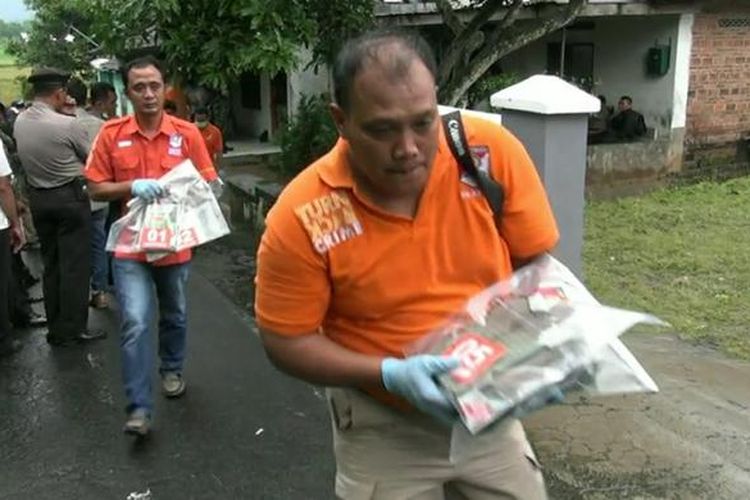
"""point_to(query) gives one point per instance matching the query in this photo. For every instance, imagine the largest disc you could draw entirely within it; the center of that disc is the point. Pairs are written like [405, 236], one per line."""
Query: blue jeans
[99, 257]
[134, 284]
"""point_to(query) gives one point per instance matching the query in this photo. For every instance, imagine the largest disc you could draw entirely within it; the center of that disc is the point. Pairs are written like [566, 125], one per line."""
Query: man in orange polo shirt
[376, 244]
[128, 155]
[211, 134]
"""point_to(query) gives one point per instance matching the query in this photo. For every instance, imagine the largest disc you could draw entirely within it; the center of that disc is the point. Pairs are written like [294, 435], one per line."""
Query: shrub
[308, 135]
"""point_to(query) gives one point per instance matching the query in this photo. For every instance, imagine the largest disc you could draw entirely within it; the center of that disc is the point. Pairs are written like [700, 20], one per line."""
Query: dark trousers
[62, 217]
[5, 278]
[20, 306]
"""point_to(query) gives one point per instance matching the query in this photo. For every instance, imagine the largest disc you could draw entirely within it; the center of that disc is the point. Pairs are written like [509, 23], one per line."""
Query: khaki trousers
[383, 454]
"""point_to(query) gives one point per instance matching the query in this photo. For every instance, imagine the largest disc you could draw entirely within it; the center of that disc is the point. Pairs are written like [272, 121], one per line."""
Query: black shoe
[89, 335]
[9, 347]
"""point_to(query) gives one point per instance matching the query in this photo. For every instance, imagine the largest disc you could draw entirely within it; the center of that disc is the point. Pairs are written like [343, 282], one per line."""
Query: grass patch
[10, 87]
[680, 253]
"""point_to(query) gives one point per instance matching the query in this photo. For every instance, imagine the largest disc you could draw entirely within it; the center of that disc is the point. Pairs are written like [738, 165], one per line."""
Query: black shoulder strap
[454, 133]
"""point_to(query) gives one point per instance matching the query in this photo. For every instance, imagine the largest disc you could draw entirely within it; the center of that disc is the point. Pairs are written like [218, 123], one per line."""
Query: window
[579, 61]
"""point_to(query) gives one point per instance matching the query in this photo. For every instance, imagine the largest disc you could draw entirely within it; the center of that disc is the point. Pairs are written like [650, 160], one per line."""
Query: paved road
[242, 431]
[61, 415]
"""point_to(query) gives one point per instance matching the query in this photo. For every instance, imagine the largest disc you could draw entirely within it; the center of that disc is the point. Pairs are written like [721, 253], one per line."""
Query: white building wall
[683, 52]
[306, 81]
[620, 49]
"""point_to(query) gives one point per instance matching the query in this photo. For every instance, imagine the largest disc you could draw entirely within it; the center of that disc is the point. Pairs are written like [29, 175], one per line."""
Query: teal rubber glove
[414, 380]
[147, 189]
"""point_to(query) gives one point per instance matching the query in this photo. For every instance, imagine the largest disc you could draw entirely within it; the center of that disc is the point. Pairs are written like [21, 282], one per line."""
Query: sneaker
[99, 300]
[173, 384]
[138, 423]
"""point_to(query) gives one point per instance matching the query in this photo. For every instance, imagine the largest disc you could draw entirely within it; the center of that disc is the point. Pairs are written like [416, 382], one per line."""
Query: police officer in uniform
[52, 150]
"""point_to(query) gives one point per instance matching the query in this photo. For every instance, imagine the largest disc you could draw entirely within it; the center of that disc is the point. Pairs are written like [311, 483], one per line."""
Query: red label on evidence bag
[476, 354]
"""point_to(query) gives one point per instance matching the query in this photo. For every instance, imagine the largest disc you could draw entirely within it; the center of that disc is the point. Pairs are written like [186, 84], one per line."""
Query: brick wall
[718, 113]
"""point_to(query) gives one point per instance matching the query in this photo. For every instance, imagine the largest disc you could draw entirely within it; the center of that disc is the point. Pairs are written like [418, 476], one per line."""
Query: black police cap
[48, 77]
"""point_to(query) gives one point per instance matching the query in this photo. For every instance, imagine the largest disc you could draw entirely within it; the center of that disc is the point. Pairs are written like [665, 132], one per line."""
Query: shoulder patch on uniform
[329, 220]
[481, 156]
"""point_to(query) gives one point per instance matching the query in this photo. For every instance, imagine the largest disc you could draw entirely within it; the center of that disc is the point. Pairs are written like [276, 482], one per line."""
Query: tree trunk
[500, 43]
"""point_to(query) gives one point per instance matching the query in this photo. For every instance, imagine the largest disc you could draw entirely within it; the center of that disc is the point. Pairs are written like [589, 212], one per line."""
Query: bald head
[393, 53]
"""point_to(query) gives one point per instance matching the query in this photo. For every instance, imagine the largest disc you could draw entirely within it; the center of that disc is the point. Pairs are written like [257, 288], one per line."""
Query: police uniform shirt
[52, 148]
[90, 124]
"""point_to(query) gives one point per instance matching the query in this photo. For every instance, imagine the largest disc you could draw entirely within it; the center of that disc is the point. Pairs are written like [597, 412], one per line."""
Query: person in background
[128, 157]
[599, 122]
[170, 108]
[15, 109]
[211, 135]
[628, 124]
[11, 240]
[75, 104]
[21, 312]
[103, 99]
[52, 152]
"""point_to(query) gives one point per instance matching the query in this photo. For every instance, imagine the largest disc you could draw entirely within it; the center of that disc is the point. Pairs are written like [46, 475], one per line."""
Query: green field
[10, 87]
[680, 253]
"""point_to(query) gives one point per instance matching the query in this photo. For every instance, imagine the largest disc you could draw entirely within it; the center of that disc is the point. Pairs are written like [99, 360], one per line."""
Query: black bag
[492, 191]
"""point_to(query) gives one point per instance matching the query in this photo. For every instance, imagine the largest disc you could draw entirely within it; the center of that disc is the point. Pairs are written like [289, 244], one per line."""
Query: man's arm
[79, 139]
[8, 204]
[109, 191]
[8, 201]
[317, 359]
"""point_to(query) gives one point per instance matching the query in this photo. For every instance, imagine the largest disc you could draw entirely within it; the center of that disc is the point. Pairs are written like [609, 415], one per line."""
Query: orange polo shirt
[122, 153]
[375, 282]
[214, 140]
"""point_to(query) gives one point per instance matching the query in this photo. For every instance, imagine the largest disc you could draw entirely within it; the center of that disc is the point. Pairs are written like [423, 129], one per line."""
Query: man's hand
[147, 189]
[414, 379]
[21, 207]
[17, 238]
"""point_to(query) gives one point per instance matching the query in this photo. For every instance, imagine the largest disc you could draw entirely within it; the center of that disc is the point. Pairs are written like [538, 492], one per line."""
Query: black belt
[77, 181]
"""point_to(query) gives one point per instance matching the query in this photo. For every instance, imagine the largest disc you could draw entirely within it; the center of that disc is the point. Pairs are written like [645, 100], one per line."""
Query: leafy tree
[209, 42]
[51, 39]
[12, 29]
[485, 31]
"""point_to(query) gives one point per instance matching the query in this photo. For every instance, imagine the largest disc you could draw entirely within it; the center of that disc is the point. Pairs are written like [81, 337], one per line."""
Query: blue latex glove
[414, 379]
[148, 189]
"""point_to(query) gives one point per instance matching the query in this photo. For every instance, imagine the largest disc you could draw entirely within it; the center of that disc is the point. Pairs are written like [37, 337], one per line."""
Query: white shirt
[4, 172]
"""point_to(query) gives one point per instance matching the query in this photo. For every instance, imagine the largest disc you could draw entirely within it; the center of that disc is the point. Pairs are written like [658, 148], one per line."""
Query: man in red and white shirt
[129, 154]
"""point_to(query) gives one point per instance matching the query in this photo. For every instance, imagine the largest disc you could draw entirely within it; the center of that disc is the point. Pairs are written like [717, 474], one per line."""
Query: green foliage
[46, 44]
[307, 136]
[209, 42]
[12, 29]
[336, 21]
[680, 254]
[488, 85]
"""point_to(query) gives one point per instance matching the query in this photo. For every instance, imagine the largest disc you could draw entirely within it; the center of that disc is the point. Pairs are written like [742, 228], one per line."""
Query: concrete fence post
[550, 117]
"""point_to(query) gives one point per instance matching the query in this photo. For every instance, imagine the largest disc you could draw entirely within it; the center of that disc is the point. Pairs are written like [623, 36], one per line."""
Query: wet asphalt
[242, 431]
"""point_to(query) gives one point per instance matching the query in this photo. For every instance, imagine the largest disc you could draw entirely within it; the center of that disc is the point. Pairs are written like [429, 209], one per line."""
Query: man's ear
[339, 118]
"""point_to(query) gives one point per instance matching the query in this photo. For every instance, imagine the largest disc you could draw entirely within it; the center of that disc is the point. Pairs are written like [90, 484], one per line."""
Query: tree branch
[467, 37]
[450, 18]
[502, 42]
[511, 14]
